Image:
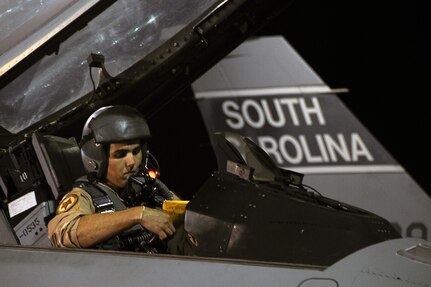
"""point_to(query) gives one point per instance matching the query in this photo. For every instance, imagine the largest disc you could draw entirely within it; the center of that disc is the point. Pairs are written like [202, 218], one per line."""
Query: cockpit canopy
[124, 32]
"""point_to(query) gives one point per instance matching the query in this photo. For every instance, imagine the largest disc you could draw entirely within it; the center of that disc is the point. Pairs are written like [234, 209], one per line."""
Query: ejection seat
[47, 166]
[60, 160]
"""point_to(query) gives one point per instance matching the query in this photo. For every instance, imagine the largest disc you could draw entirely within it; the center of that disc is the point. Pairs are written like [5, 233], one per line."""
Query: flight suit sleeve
[62, 228]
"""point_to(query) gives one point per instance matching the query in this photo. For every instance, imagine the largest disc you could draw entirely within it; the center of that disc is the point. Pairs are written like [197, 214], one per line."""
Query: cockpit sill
[65, 251]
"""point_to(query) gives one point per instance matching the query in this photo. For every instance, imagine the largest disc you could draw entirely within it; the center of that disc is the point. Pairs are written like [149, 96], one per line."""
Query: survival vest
[137, 238]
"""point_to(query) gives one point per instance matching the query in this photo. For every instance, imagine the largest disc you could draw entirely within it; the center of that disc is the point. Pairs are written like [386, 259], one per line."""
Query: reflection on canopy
[124, 33]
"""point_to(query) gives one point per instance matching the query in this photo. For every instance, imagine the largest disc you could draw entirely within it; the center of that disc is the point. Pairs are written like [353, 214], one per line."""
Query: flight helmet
[110, 124]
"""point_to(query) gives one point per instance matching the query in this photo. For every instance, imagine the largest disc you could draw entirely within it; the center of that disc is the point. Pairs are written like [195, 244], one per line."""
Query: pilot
[93, 215]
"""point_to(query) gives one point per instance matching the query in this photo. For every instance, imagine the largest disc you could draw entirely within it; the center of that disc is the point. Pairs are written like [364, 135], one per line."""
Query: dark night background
[377, 51]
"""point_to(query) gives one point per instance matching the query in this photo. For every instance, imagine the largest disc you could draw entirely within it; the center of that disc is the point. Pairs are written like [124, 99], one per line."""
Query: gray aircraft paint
[378, 265]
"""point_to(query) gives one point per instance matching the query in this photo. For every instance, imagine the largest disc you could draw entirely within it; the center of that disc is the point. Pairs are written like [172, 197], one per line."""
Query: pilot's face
[124, 160]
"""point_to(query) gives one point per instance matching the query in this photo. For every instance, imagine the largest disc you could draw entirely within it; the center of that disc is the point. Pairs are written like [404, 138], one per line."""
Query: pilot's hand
[157, 222]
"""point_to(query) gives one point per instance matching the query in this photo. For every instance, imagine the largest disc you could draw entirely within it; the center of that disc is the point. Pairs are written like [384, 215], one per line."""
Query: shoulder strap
[104, 199]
